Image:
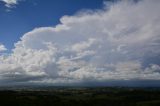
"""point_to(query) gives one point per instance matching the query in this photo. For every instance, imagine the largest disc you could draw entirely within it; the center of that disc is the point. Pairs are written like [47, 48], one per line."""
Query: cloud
[10, 3]
[114, 43]
[2, 48]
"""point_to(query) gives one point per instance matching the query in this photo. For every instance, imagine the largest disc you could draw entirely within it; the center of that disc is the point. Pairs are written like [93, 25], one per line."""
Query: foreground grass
[81, 97]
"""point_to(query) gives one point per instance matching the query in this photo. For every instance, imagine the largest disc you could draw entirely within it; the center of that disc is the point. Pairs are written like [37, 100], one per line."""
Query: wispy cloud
[2, 48]
[10, 3]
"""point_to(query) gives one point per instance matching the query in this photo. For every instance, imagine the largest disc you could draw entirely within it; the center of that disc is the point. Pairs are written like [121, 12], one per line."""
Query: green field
[105, 96]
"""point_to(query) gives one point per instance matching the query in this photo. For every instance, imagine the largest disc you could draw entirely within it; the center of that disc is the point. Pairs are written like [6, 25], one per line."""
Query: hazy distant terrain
[61, 96]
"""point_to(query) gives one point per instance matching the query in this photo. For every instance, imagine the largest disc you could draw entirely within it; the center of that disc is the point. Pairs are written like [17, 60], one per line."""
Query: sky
[80, 42]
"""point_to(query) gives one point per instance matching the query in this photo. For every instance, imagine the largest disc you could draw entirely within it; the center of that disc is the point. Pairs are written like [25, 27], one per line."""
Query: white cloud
[83, 45]
[10, 3]
[2, 48]
[107, 44]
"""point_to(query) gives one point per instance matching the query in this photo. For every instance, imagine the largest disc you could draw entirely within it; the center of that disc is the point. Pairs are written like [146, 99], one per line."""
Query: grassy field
[105, 96]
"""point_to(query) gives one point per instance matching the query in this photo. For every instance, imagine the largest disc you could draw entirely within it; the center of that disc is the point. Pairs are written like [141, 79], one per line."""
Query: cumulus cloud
[10, 3]
[2, 48]
[114, 43]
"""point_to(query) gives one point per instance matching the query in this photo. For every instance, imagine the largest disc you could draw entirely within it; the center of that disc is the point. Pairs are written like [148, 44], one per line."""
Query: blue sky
[29, 14]
[74, 42]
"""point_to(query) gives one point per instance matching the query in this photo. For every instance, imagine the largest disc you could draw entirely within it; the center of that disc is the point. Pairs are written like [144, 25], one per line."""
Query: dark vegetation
[106, 96]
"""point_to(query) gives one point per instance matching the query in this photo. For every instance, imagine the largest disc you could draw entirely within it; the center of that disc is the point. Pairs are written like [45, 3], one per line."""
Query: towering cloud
[119, 42]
